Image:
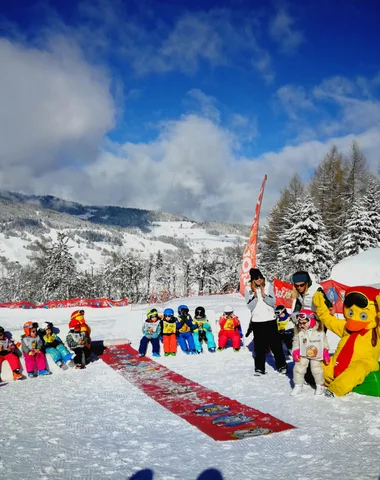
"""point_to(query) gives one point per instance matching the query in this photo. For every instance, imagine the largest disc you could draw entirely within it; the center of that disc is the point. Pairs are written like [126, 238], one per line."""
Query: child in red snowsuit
[7, 349]
[229, 328]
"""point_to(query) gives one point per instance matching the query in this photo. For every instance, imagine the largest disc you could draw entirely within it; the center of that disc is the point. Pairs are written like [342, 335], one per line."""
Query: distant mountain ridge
[104, 215]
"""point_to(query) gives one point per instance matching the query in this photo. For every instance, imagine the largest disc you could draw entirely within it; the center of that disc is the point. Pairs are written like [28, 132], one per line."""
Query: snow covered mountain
[96, 231]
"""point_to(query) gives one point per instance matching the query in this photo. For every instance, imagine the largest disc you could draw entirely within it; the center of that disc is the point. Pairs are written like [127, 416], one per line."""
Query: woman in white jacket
[260, 301]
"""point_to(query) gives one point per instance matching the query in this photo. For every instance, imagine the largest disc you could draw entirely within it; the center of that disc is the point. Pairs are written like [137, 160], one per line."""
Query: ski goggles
[356, 298]
[302, 318]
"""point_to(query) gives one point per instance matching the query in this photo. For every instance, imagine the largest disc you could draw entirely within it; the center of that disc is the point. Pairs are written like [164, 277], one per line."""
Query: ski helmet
[306, 314]
[2, 330]
[168, 312]
[28, 326]
[279, 310]
[200, 312]
[75, 324]
[78, 315]
[152, 313]
[182, 308]
[228, 309]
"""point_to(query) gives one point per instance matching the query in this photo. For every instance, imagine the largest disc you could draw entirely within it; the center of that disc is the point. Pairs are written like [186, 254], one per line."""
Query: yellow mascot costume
[358, 351]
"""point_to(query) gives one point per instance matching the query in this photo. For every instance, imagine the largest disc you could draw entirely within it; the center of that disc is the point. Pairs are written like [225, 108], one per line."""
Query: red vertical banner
[249, 255]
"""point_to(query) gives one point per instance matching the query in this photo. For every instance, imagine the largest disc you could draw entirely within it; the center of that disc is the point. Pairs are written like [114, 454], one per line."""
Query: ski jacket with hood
[262, 308]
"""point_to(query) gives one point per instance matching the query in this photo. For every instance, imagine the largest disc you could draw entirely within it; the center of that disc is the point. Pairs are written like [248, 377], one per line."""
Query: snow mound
[360, 269]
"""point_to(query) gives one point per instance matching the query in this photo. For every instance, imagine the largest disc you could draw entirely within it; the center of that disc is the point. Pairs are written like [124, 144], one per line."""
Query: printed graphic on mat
[219, 417]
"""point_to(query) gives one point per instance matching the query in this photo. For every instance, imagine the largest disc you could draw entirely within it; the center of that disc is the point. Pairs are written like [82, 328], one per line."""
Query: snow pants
[35, 362]
[186, 342]
[205, 335]
[59, 354]
[354, 375]
[287, 338]
[224, 335]
[82, 355]
[300, 368]
[144, 345]
[12, 359]
[265, 335]
[170, 343]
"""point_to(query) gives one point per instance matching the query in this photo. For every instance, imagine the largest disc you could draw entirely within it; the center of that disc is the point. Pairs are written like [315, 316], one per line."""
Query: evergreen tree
[371, 203]
[306, 245]
[327, 190]
[358, 234]
[357, 175]
[60, 276]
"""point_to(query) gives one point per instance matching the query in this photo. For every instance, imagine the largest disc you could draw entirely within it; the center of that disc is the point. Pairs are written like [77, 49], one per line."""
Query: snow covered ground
[93, 424]
[361, 269]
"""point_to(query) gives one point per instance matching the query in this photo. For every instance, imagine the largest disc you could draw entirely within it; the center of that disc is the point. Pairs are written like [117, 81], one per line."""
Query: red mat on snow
[219, 417]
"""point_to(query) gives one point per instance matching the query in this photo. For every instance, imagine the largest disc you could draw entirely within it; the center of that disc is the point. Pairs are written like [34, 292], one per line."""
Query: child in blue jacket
[185, 329]
[152, 331]
[202, 331]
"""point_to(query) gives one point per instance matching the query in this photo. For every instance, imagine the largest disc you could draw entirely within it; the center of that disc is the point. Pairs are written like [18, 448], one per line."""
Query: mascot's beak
[356, 325]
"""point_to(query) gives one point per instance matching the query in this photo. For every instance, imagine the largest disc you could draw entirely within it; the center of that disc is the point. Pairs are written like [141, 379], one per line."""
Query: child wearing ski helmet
[151, 333]
[285, 326]
[79, 315]
[260, 301]
[32, 345]
[7, 352]
[309, 346]
[169, 332]
[202, 331]
[229, 328]
[77, 340]
[185, 329]
[55, 347]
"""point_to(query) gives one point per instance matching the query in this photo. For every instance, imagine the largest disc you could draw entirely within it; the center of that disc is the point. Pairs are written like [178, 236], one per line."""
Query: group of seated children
[190, 333]
[36, 342]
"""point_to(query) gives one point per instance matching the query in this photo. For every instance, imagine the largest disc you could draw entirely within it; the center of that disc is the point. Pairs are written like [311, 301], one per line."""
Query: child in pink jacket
[229, 328]
[32, 345]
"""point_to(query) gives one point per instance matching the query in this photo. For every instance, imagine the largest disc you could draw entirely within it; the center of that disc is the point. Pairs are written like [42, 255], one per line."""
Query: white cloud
[192, 168]
[283, 32]
[54, 106]
[206, 104]
[294, 99]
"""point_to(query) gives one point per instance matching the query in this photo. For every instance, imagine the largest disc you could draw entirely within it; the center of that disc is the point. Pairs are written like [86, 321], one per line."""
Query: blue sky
[205, 96]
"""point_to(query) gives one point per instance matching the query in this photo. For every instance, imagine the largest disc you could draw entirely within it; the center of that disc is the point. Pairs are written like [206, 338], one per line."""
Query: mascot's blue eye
[363, 316]
[350, 313]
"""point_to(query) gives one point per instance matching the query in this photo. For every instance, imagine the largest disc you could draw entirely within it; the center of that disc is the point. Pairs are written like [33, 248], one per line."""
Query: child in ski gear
[169, 332]
[202, 331]
[151, 331]
[285, 326]
[185, 329]
[309, 346]
[54, 346]
[32, 346]
[260, 301]
[7, 352]
[229, 328]
[79, 315]
[77, 340]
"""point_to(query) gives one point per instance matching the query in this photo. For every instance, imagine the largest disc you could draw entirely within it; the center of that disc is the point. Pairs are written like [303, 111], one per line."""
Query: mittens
[326, 356]
[297, 355]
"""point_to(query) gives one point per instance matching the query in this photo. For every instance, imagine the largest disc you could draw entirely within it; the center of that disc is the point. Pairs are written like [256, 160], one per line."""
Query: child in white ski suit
[309, 346]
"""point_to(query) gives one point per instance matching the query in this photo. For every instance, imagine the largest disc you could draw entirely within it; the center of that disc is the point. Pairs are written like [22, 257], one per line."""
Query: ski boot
[156, 354]
[44, 372]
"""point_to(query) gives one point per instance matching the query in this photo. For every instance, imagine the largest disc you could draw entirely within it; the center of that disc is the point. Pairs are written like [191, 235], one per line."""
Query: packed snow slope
[93, 424]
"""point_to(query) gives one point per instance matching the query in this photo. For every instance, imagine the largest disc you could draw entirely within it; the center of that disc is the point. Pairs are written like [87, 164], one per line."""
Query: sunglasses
[33, 330]
[299, 285]
[356, 298]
